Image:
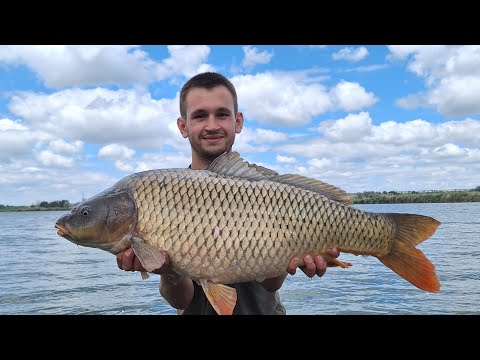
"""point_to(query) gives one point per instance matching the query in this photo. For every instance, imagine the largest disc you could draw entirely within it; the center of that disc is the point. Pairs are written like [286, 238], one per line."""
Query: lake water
[43, 273]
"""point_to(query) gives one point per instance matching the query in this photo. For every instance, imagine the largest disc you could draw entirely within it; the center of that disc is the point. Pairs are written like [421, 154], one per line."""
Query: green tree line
[43, 205]
[366, 197]
[393, 197]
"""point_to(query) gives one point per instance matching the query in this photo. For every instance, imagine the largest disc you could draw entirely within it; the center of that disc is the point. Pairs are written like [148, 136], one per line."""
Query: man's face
[211, 123]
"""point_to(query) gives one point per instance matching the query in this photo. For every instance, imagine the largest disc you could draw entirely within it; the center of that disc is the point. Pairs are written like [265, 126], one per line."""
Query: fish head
[106, 221]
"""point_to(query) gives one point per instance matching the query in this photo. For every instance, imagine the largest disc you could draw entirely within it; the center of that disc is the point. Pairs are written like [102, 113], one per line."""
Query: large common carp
[236, 222]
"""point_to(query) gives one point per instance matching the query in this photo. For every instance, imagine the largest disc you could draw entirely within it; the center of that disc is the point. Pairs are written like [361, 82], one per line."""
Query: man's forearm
[273, 284]
[176, 289]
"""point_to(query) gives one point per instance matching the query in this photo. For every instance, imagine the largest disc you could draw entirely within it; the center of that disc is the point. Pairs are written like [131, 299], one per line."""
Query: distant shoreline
[367, 197]
[29, 208]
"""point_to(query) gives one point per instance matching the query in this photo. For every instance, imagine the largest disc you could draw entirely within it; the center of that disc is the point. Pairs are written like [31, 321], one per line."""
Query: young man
[209, 120]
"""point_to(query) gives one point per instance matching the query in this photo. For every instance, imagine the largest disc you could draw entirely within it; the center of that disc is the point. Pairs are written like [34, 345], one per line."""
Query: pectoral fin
[151, 258]
[222, 297]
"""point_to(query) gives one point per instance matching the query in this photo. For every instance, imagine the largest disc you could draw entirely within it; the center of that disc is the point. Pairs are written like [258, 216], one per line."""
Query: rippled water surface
[43, 273]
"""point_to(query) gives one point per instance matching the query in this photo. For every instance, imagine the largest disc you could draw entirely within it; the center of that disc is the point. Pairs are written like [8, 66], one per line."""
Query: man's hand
[313, 266]
[128, 261]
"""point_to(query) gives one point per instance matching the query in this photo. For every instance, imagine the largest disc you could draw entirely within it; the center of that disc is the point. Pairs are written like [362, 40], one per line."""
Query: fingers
[126, 260]
[334, 252]
[313, 267]
[321, 266]
[292, 267]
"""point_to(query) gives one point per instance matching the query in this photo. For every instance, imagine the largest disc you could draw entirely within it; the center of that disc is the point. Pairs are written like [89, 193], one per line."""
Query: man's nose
[212, 122]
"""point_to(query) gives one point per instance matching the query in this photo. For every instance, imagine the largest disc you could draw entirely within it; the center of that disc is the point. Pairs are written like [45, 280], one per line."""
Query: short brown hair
[206, 80]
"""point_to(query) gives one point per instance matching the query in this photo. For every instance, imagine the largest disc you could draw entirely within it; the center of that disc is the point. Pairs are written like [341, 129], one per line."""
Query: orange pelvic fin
[222, 297]
[331, 261]
[407, 261]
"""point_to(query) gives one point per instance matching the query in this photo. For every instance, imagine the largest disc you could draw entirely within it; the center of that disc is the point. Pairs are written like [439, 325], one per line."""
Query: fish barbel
[236, 222]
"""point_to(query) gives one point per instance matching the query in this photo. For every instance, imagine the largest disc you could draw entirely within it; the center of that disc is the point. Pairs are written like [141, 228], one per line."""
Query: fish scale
[236, 222]
[260, 219]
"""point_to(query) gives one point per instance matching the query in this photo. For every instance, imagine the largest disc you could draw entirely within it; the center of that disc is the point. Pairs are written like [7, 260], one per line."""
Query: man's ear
[238, 122]
[182, 126]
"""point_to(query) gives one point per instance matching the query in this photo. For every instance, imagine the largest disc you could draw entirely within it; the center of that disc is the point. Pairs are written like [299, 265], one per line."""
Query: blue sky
[76, 119]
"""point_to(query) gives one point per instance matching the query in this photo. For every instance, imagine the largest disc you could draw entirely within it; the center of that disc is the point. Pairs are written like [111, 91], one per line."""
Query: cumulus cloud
[60, 66]
[77, 65]
[285, 159]
[48, 158]
[185, 60]
[293, 99]
[17, 139]
[252, 56]
[356, 139]
[351, 54]
[61, 146]
[451, 75]
[352, 97]
[116, 151]
[349, 129]
[7, 124]
[101, 116]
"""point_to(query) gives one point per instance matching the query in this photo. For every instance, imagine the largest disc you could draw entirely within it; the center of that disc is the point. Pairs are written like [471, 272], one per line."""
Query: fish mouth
[63, 231]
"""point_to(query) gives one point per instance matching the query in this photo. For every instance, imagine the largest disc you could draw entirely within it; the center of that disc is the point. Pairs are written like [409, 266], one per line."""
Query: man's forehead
[218, 95]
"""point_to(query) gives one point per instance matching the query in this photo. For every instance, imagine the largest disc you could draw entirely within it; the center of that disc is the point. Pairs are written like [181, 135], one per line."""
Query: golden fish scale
[233, 230]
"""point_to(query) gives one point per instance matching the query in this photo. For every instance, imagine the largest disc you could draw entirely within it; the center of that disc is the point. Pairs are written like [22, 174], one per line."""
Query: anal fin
[222, 297]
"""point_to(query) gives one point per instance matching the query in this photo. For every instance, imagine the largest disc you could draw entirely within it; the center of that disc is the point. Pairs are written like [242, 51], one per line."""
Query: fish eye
[85, 211]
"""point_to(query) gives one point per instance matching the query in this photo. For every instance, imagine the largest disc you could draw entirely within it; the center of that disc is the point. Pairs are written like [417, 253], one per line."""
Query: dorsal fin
[330, 191]
[231, 164]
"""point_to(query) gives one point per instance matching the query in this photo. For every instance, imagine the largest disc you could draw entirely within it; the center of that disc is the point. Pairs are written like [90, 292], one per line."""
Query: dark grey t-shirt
[252, 299]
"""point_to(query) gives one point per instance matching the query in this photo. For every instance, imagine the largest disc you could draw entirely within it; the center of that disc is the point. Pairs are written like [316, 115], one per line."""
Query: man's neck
[199, 163]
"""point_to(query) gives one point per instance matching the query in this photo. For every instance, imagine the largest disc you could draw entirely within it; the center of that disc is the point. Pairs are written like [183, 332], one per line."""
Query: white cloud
[269, 136]
[77, 65]
[48, 158]
[7, 124]
[355, 139]
[163, 161]
[253, 57]
[320, 163]
[62, 146]
[126, 117]
[285, 159]
[351, 54]
[124, 166]
[116, 152]
[351, 96]
[369, 68]
[352, 128]
[451, 75]
[17, 140]
[299, 99]
[185, 60]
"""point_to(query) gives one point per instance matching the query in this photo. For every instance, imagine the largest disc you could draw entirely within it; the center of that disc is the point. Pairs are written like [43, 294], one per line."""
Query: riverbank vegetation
[430, 196]
[41, 206]
[366, 197]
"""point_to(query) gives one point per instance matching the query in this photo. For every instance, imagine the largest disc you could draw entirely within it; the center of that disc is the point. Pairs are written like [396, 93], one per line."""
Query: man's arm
[312, 267]
[176, 289]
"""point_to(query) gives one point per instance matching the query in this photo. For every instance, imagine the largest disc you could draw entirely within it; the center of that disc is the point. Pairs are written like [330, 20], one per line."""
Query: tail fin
[404, 259]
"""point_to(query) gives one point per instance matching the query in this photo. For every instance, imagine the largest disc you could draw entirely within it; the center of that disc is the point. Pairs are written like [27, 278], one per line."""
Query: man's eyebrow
[198, 111]
[203, 111]
[224, 109]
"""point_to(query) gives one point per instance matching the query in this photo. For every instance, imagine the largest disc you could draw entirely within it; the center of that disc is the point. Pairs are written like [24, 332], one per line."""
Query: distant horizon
[78, 118]
[359, 192]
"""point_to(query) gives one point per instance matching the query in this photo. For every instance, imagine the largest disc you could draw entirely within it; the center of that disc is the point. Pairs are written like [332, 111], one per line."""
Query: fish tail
[407, 261]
